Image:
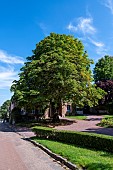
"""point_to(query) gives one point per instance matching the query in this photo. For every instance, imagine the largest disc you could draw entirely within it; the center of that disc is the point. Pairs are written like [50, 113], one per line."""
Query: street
[19, 154]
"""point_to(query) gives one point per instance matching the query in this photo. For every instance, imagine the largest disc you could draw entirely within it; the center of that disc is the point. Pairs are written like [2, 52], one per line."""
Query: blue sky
[24, 23]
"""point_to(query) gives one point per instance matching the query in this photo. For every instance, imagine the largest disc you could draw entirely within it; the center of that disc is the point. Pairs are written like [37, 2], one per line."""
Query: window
[79, 110]
[68, 108]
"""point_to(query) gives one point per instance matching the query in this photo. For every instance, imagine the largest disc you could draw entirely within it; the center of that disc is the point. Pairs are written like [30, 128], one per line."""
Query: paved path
[19, 154]
[88, 125]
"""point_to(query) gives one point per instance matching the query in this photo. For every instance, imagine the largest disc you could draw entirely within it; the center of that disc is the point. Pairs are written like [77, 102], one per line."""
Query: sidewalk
[23, 131]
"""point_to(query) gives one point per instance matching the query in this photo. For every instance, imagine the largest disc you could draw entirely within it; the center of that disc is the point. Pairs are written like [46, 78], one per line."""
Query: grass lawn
[79, 117]
[108, 116]
[89, 159]
[107, 121]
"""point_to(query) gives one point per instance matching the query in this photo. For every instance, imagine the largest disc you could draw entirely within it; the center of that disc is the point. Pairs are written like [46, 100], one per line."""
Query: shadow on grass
[63, 122]
[106, 154]
[99, 166]
[47, 123]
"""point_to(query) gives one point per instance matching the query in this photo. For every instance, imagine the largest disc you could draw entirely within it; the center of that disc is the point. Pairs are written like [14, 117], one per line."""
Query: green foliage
[82, 157]
[4, 109]
[84, 139]
[107, 122]
[104, 69]
[58, 71]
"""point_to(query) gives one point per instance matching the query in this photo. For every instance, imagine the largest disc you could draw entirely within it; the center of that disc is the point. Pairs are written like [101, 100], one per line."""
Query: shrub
[84, 139]
[107, 122]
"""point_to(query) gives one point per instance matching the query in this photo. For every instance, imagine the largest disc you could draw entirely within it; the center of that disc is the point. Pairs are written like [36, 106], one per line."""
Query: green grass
[107, 121]
[89, 159]
[108, 116]
[78, 117]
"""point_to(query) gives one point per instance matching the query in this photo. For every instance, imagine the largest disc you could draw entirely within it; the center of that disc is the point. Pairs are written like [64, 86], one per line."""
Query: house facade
[65, 108]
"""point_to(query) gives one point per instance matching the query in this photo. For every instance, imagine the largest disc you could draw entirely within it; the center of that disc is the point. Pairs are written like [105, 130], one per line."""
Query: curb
[55, 156]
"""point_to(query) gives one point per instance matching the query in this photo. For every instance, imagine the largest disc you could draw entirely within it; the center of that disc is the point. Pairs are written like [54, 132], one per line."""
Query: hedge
[83, 139]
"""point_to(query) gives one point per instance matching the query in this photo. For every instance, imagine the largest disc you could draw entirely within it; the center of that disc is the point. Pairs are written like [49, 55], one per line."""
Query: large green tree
[58, 71]
[104, 69]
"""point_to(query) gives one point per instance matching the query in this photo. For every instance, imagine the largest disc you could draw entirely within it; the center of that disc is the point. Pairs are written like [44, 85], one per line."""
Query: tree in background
[4, 109]
[58, 71]
[103, 76]
[104, 69]
[107, 86]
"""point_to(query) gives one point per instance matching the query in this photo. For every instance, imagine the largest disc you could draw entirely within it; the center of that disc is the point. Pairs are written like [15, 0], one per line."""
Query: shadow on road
[94, 119]
[23, 131]
[105, 131]
[5, 128]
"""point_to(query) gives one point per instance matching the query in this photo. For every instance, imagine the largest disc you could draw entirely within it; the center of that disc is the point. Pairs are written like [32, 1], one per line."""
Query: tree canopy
[104, 69]
[58, 71]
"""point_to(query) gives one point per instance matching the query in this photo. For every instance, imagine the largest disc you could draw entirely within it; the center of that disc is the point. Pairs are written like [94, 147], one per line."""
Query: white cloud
[7, 76]
[9, 59]
[96, 43]
[86, 32]
[84, 25]
[72, 28]
[109, 5]
[101, 50]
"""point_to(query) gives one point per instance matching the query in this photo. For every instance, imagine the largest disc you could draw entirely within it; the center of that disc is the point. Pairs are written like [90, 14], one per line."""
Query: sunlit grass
[78, 117]
[90, 159]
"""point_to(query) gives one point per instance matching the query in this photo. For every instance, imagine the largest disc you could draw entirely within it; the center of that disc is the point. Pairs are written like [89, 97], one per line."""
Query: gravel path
[88, 125]
[19, 154]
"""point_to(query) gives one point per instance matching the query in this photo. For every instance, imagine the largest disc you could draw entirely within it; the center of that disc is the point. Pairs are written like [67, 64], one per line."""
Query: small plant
[107, 121]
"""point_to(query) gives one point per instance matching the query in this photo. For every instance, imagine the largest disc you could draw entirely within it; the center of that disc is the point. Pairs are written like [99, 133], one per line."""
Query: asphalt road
[19, 154]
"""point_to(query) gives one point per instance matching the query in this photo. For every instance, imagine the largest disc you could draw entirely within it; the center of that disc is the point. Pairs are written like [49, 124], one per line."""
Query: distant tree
[58, 71]
[104, 69]
[107, 86]
[4, 109]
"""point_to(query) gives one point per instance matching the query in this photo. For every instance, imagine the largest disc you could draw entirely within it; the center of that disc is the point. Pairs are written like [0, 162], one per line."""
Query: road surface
[19, 154]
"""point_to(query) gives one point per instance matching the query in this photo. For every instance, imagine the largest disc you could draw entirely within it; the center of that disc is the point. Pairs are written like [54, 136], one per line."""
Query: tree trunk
[54, 112]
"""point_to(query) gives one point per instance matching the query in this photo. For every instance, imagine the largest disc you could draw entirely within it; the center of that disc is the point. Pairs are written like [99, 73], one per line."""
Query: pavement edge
[53, 155]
